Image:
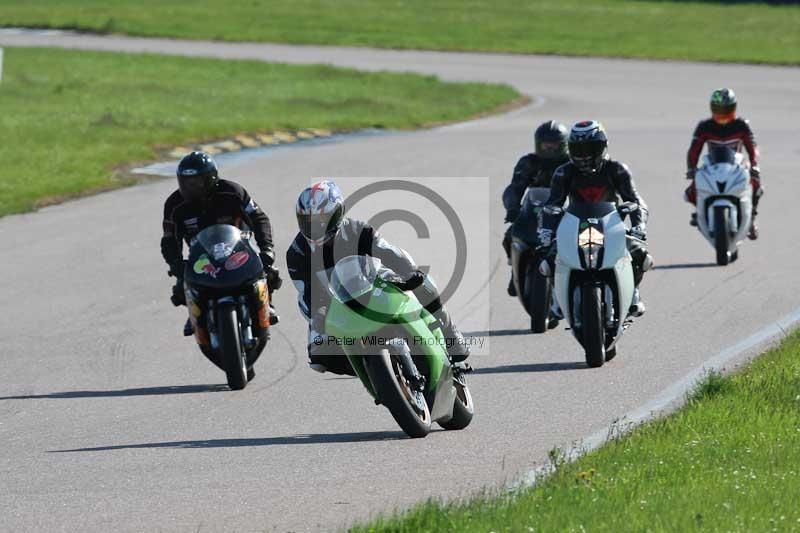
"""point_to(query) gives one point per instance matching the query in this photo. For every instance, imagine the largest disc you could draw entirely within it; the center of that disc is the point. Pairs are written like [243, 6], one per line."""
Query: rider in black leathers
[591, 176]
[203, 199]
[534, 170]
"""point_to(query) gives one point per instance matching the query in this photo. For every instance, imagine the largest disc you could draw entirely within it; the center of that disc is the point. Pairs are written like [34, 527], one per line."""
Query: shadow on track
[531, 367]
[148, 391]
[497, 333]
[683, 266]
[365, 436]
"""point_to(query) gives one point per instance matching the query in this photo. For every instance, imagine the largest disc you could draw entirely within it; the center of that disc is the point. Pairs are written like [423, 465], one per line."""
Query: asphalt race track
[111, 420]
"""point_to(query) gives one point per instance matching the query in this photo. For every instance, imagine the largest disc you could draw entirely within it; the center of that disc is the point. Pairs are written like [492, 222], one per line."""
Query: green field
[631, 28]
[71, 118]
[728, 461]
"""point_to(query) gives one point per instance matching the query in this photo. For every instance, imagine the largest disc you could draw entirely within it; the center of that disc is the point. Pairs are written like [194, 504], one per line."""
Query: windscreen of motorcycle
[535, 196]
[219, 240]
[354, 276]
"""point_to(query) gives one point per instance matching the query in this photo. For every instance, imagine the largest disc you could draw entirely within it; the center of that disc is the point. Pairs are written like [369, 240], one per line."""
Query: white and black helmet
[320, 210]
[587, 145]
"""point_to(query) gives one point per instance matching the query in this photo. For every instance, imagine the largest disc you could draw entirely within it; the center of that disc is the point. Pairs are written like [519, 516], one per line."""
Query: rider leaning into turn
[534, 170]
[724, 128]
[325, 237]
[202, 200]
[591, 176]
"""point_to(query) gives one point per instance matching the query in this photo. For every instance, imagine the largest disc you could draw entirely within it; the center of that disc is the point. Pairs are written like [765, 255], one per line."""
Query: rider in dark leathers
[203, 199]
[724, 128]
[590, 177]
[325, 237]
[534, 170]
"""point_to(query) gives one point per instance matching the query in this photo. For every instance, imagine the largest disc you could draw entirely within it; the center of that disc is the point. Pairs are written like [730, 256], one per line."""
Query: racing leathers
[737, 136]
[530, 171]
[611, 182]
[228, 204]
[310, 267]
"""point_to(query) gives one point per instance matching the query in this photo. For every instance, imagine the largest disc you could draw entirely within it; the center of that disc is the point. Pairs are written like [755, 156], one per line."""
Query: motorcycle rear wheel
[592, 331]
[230, 346]
[394, 392]
[463, 408]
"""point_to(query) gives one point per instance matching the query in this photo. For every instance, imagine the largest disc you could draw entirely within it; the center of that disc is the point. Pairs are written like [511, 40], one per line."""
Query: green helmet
[723, 102]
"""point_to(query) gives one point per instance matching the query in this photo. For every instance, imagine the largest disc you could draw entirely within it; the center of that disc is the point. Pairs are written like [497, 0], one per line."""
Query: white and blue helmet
[320, 210]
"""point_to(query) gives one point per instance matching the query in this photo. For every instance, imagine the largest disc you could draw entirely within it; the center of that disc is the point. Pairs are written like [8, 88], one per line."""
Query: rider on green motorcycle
[325, 237]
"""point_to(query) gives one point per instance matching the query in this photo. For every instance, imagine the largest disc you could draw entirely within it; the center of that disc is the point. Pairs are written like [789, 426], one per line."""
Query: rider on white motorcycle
[591, 176]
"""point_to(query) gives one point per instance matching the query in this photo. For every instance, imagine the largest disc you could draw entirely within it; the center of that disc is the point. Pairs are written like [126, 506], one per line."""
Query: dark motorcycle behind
[228, 300]
[533, 289]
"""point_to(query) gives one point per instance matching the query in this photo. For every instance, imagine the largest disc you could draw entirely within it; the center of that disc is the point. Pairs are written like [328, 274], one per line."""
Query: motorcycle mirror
[553, 210]
[627, 208]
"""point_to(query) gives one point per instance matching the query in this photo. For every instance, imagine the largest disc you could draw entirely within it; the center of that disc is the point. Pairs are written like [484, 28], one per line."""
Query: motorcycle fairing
[727, 185]
[571, 267]
[388, 305]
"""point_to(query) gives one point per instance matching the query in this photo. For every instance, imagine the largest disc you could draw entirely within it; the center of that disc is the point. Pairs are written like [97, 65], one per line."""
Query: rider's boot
[273, 315]
[188, 329]
[753, 233]
[637, 308]
[555, 316]
[456, 343]
[512, 289]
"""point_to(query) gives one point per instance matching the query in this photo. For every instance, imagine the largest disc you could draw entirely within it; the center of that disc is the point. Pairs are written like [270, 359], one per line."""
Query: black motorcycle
[228, 300]
[533, 289]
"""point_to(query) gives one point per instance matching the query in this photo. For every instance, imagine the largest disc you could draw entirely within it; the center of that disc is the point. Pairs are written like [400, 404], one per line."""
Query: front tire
[230, 346]
[538, 290]
[463, 408]
[722, 239]
[592, 330]
[395, 393]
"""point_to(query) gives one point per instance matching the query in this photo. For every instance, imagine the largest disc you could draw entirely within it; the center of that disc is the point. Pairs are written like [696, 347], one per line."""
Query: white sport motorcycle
[594, 274]
[724, 202]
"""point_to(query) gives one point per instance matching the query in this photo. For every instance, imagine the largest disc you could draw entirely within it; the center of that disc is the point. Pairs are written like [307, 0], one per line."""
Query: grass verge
[728, 461]
[71, 118]
[751, 32]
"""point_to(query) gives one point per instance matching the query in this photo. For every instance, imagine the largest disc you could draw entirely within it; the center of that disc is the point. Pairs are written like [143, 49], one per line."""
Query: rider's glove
[176, 269]
[416, 279]
[274, 280]
[690, 174]
[639, 231]
[178, 296]
[545, 237]
[512, 214]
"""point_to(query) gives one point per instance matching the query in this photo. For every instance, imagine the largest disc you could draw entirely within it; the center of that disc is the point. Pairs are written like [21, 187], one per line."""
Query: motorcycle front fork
[608, 297]
[248, 340]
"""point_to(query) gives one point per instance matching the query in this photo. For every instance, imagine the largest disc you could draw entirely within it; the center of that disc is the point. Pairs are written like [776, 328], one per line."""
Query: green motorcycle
[396, 348]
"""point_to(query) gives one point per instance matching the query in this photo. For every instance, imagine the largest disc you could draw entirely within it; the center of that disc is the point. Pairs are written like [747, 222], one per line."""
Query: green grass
[70, 118]
[728, 461]
[655, 29]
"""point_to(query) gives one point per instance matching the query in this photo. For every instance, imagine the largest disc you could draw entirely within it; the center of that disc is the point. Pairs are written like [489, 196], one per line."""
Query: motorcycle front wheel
[592, 331]
[537, 289]
[722, 238]
[230, 345]
[408, 407]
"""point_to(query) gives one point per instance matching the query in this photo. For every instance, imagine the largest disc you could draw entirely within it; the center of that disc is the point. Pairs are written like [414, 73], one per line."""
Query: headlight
[591, 235]
[591, 242]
